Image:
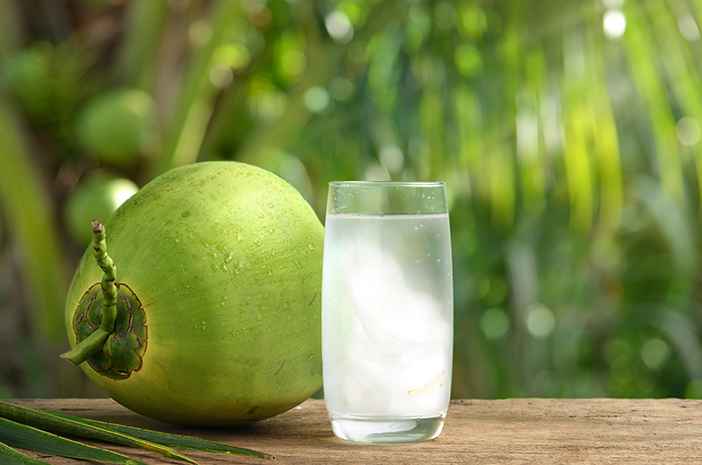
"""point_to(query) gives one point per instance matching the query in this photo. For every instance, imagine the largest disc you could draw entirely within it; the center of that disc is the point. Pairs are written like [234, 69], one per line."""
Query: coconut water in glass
[387, 310]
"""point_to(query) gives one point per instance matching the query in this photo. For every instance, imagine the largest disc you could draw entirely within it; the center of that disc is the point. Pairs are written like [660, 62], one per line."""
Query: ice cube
[397, 338]
[386, 305]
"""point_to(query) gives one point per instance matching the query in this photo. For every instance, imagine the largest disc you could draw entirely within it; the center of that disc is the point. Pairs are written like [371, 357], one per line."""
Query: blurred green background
[568, 132]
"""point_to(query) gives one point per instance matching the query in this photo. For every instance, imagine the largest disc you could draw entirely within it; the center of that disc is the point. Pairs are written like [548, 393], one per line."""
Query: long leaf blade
[27, 437]
[178, 441]
[28, 211]
[10, 456]
[62, 425]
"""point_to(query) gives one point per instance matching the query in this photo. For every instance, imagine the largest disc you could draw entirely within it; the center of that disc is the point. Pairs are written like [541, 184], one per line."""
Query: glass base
[387, 430]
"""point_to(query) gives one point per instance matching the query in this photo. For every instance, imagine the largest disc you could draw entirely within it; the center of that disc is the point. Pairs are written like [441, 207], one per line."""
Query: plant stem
[93, 343]
[109, 289]
[87, 347]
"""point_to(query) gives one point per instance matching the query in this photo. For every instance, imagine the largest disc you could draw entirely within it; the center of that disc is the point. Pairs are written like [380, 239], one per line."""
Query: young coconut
[208, 308]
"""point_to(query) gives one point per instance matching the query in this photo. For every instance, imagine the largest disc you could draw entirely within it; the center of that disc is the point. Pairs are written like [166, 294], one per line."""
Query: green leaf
[28, 211]
[27, 437]
[10, 456]
[67, 426]
[194, 106]
[174, 440]
[144, 25]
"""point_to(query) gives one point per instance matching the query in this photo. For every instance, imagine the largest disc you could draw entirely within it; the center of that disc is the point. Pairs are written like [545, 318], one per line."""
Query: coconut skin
[226, 260]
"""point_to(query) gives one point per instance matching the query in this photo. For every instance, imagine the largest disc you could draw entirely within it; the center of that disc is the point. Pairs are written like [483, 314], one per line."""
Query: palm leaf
[145, 23]
[679, 63]
[67, 426]
[10, 456]
[644, 71]
[178, 441]
[27, 437]
[194, 106]
[27, 208]
[604, 137]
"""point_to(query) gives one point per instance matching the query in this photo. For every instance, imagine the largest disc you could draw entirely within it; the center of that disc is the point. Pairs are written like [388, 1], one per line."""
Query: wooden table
[515, 431]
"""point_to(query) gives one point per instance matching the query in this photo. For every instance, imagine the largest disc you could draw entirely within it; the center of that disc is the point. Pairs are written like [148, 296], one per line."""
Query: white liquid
[387, 320]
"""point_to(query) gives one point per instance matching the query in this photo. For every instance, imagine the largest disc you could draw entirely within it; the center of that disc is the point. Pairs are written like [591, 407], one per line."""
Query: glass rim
[387, 183]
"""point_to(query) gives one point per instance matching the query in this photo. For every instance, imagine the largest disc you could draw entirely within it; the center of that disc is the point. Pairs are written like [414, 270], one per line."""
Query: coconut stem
[96, 340]
[109, 288]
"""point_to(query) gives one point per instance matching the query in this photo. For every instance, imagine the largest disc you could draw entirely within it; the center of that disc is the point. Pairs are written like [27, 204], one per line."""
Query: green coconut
[47, 81]
[212, 316]
[28, 76]
[118, 126]
[95, 198]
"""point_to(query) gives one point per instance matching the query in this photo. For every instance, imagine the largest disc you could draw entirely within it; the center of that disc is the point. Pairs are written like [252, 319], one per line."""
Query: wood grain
[500, 432]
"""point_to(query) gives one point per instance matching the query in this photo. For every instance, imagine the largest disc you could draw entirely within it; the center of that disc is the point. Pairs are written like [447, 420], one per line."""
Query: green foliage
[27, 437]
[27, 210]
[569, 134]
[41, 431]
[12, 456]
[178, 441]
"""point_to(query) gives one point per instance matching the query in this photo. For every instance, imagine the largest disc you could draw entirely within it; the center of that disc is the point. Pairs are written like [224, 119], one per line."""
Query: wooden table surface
[500, 432]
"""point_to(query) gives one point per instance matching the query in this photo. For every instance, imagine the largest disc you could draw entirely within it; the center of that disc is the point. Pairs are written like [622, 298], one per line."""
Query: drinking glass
[387, 310]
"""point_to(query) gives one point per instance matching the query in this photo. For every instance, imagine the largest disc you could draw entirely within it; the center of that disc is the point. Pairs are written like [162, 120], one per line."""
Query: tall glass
[387, 310]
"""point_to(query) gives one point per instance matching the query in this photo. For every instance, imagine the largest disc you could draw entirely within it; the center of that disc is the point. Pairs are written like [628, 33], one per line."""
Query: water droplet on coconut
[310, 246]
